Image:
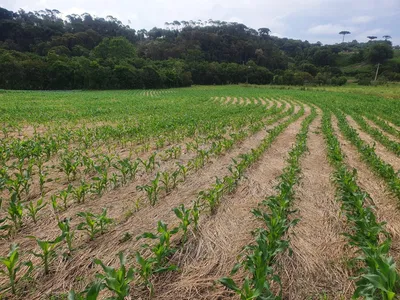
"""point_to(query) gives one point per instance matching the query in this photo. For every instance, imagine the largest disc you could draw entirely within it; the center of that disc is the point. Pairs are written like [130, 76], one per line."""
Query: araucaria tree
[344, 32]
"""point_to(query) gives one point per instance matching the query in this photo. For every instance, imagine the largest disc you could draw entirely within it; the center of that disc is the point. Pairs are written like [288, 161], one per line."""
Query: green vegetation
[378, 277]
[40, 50]
[258, 259]
[126, 170]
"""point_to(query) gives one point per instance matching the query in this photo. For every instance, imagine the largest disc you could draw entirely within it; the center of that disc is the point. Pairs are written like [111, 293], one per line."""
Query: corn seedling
[15, 211]
[33, 209]
[161, 252]
[162, 249]
[69, 234]
[183, 170]
[114, 180]
[94, 223]
[70, 167]
[81, 191]
[184, 215]
[47, 250]
[174, 179]
[116, 280]
[100, 184]
[127, 169]
[63, 195]
[42, 181]
[11, 266]
[212, 197]
[150, 163]
[165, 180]
[152, 190]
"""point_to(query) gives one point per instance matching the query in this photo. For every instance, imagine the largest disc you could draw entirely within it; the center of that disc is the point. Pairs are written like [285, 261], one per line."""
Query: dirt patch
[263, 102]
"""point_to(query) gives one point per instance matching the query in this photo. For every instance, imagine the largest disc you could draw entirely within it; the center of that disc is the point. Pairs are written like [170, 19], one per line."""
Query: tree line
[40, 50]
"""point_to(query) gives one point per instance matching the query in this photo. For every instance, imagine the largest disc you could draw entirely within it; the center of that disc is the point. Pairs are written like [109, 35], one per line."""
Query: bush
[364, 80]
[339, 81]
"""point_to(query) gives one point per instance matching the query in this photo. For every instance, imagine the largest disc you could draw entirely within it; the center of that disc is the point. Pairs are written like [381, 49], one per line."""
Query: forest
[41, 50]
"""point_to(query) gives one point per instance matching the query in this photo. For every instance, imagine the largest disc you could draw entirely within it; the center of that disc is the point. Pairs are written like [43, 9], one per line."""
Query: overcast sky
[312, 20]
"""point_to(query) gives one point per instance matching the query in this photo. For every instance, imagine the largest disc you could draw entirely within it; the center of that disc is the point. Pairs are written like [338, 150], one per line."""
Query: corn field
[234, 192]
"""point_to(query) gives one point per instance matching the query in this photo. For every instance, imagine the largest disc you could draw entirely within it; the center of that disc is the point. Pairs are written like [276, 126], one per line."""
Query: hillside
[41, 50]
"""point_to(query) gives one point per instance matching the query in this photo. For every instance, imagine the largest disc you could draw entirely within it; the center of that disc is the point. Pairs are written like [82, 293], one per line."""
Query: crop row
[128, 170]
[384, 125]
[376, 277]
[92, 226]
[368, 154]
[159, 253]
[258, 258]
[377, 135]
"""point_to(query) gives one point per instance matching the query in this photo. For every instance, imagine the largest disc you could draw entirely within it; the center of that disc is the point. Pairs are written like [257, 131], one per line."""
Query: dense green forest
[41, 50]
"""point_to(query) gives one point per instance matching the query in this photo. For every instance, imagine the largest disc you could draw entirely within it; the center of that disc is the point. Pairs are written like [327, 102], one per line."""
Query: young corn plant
[183, 170]
[123, 166]
[15, 186]
[152, 190]
[114, 180]
[63, 195]
[33, 209]
[66, 231]
[185, 216]
[166, 181]
[94, 223]
[15, 211]
[100, 183]
[42, 181]
[81, 191]
[116, 280]
[175, 179]
[47, 250]
[162, 250]
[70, 167]
[149, 164]
[212, 197]
[177, 151]
[257, 285]
[11, 266]
[145, 269]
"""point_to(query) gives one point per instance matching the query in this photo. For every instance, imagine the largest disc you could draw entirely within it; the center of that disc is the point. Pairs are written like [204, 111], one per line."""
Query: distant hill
[40, 50]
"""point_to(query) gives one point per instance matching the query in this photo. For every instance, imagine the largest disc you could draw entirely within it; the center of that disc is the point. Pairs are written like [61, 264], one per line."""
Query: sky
[312, 20]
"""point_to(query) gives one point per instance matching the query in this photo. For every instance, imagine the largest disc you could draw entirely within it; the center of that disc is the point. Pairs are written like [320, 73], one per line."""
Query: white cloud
[328, 29]
[362, 19]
